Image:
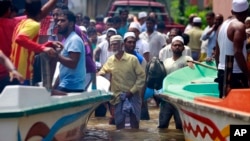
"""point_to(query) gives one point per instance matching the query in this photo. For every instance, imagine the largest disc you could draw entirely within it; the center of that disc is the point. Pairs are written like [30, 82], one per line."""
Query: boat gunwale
[55, 106]
[207, 107]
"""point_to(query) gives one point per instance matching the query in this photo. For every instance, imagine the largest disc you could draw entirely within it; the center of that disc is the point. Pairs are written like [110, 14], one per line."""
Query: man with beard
[72, 58]
[174, 63]
[127, 80]
[129, 46]
[154, 38]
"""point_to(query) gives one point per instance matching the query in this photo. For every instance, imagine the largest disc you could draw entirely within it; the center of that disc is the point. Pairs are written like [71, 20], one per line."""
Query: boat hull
[205, 116]
[31, 114]
[203, 122]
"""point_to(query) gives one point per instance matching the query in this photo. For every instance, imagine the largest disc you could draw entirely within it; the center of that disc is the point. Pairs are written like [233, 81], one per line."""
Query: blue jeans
[167, 110]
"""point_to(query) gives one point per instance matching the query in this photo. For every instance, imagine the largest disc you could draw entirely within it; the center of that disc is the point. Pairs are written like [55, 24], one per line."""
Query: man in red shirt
[7, 26]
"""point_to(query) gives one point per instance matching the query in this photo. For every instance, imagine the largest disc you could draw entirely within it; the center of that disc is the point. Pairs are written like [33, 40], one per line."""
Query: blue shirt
[211, 40]
[73, 78]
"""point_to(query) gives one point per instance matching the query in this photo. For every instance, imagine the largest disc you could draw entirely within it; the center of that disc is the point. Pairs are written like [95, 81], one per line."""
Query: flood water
[98, 129]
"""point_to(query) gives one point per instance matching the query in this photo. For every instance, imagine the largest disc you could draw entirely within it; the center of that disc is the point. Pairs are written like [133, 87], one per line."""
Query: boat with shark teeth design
[205, 117]
[31, 113]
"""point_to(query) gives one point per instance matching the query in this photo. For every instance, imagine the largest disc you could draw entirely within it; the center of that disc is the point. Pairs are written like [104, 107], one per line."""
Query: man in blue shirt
[72, 58]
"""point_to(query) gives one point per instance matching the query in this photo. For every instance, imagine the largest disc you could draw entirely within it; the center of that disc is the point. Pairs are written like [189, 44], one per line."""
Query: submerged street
[98, 129]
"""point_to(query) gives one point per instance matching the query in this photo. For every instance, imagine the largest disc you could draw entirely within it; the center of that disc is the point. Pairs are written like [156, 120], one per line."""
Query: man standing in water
[232, 41]
[177, 61]
[72, 58]
[127, 80]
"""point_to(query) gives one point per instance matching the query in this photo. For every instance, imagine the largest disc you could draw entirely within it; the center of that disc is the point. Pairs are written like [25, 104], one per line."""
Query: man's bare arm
[47, 7]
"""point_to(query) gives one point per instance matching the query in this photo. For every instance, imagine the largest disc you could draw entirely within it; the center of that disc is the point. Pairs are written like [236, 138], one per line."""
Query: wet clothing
[167, 110]
[127, 75]
[135, 111]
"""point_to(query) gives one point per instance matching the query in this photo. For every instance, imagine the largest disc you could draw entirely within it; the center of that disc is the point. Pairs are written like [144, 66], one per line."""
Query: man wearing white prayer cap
[141, 45]
[231, 41]
[142, 16]
[128, 78]
[194, 38]
[177, 61]
[129, 47]
[197, 20]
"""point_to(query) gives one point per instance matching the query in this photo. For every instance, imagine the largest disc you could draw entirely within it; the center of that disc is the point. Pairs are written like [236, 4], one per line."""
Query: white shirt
[105, 53]
[141, 47]
[156, 41]
[172, 65]
[167, 52]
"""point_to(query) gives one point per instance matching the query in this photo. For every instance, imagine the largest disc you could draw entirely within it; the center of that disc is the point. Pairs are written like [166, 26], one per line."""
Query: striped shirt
[23, 49]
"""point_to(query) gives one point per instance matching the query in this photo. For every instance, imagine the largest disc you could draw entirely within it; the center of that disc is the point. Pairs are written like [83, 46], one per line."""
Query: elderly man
[231, 41]
[127, 80]
[171, 64]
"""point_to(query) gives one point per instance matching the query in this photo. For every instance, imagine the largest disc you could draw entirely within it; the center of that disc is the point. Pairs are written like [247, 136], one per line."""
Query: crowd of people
[121, 46]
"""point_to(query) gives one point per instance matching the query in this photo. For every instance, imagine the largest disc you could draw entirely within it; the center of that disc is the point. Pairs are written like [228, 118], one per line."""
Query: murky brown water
[98, 129]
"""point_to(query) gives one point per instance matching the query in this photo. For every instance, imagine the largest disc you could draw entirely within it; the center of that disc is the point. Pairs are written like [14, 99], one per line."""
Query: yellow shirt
[194, 38]
[126, 75]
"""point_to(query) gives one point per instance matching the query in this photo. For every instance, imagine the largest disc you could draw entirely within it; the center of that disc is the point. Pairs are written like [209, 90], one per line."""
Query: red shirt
[6, 31]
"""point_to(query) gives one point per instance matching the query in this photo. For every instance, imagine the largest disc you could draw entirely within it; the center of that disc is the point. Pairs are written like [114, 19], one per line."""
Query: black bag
[155, 73]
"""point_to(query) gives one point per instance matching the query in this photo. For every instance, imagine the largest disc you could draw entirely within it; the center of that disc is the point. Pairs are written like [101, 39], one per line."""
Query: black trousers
[238, 80]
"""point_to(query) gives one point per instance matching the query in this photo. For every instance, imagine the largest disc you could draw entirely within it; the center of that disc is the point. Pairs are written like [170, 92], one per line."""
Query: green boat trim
[187, 83]
[15, 113]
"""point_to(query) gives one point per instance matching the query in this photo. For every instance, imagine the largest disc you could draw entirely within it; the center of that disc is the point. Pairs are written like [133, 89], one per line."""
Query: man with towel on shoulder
[127, 80]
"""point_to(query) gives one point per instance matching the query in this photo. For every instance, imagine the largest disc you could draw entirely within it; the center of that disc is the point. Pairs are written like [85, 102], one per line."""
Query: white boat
[204, 116]
[30, 113]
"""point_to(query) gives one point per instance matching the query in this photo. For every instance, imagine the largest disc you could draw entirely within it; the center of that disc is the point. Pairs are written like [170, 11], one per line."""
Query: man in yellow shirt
[127, 80]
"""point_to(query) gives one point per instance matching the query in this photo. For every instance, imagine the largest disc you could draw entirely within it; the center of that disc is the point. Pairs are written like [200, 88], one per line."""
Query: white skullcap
[239, 5]
[92, 21]
[135, 25]
[142, 14]
[248, 30]
[115, 38]
[247, 19]
[112, 29]
[129, 34]
[82, 28]
[197, 20]
[178, 38]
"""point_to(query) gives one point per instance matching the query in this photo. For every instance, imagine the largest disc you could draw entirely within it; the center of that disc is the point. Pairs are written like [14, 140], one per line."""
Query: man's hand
[58, 46]
[50, 51]
[128, 95]
[17, 75]
[190, 64]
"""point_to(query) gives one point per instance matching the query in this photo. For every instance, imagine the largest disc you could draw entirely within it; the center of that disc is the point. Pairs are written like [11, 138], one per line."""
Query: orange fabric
[24, 45]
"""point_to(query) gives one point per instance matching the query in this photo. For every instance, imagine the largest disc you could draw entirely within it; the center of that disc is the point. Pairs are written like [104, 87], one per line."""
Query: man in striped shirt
[24, 41]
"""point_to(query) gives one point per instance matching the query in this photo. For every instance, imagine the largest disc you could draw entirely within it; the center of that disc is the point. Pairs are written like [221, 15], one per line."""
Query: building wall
[223, 7]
